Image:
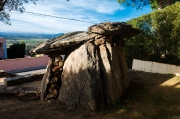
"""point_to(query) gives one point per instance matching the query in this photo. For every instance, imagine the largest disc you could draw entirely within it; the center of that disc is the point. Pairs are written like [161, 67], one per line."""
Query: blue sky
[89, 11]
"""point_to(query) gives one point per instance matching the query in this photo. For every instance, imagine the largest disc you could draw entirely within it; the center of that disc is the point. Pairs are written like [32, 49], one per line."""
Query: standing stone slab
[105, 64]
[124, 68]
[45, 79]
[94, 76]
[114, 72]
[81, 81]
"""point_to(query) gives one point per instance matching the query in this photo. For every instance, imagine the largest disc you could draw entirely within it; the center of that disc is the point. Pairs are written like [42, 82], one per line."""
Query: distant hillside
[27, 36]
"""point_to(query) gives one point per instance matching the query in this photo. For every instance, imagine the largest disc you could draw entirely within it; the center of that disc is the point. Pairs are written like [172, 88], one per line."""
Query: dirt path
[149, 96]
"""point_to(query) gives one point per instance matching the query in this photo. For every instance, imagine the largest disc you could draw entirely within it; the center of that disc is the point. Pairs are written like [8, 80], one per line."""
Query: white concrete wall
[154, 67]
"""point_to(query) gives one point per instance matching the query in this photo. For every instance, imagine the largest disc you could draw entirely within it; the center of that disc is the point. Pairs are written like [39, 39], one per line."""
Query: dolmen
[93, 73]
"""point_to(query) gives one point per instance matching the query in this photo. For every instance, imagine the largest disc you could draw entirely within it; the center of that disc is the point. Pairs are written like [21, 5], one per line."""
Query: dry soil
[149, 96]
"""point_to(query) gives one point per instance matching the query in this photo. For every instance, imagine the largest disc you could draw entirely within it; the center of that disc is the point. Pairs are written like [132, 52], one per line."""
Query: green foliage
[138, 4]
[160, 37]
[4, 17]
[16, 50]
[29, 44]
[8, 5]
[155, 4]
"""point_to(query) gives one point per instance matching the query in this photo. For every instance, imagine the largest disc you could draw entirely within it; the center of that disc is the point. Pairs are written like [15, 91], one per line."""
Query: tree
[8, 5]
[160, 4]
[2, 3]
[155, 4]
[159, 40]
[16, 50]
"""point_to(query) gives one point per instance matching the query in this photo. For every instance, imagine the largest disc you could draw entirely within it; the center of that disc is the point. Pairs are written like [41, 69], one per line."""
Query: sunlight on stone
[136, 113]
[121, 111]
[173, 82]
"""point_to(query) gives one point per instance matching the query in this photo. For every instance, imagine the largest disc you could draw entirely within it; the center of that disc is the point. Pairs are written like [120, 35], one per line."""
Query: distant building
[3, 49]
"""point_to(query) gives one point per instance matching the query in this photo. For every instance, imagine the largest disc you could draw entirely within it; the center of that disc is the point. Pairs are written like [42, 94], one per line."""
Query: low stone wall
[6, 74]
[155, 67]
[20, 91]
[23, 64]
[12, 81]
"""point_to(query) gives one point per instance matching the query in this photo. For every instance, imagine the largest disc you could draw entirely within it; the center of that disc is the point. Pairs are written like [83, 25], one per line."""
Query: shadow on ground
[149, 96]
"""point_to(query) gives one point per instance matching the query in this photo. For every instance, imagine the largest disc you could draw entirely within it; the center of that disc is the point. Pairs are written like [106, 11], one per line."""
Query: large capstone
[114, 28]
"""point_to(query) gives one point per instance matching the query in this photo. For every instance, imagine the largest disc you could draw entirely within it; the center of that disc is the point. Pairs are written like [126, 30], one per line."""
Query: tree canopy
[159, 40]
[155, 4]
[8, 5]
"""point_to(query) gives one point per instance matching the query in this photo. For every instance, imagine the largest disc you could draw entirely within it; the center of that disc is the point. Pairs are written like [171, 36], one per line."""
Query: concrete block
[3, 83]
[148, 66]
[163, 68]
[135, 64]
[178, 70]
[171, 69]
[155, 67]
[141, 65]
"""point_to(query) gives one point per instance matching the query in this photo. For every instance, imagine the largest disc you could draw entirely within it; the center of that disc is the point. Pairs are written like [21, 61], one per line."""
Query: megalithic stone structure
[93, 73]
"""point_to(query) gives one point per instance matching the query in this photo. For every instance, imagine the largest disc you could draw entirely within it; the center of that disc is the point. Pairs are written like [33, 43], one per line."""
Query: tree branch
[2, 3]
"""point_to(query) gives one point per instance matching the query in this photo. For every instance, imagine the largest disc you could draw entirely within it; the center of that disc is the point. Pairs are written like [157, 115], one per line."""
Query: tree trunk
[160, 4]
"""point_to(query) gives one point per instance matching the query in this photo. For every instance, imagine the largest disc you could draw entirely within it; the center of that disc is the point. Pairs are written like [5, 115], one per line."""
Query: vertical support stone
[124, 68]
[114, 72]
[81, 82]
[94, 76]
[105, 67]
[45, 79]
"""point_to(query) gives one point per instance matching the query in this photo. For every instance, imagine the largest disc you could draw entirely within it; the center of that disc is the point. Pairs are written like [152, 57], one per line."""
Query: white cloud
[103, 6]
[40, 24]
[93, 11]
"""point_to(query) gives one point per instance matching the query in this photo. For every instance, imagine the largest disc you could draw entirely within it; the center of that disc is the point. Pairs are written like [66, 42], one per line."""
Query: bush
[160, 36]
[16, 50]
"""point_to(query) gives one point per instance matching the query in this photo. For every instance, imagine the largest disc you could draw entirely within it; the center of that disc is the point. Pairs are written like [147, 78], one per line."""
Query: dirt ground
[149, 96]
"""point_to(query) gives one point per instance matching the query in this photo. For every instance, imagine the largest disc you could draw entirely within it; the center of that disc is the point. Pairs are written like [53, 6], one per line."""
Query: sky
[61, 16]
